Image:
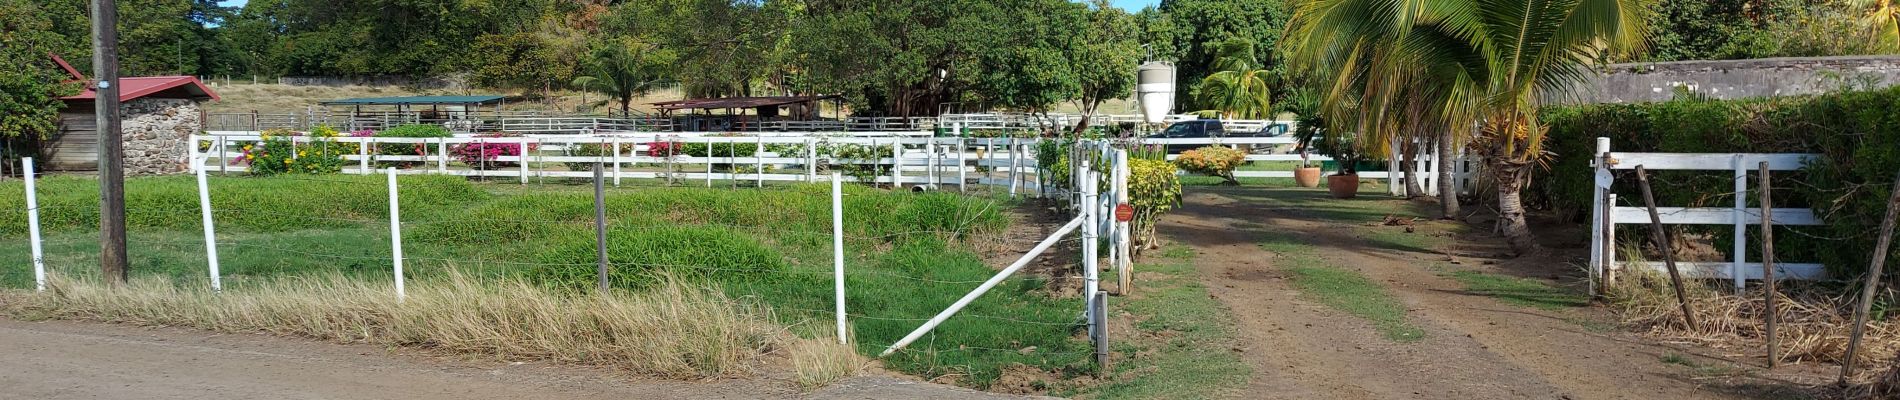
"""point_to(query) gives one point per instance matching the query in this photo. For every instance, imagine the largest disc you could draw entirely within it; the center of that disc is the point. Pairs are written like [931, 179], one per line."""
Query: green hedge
[1858, 134]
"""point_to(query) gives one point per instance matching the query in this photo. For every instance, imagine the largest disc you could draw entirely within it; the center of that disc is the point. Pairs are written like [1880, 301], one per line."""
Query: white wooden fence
[1606, 214]
[909, 158]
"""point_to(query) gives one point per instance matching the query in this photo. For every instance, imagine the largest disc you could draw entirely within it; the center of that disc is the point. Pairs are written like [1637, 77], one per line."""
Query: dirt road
[1475, 347]
[69, 360]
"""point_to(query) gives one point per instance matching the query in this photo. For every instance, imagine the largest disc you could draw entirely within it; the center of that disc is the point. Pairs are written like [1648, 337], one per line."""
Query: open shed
[455, 112]
[158, 114]
[765, 108]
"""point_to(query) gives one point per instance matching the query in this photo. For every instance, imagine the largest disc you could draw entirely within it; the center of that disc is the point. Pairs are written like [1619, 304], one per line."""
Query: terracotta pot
[1307, 177]
[1343, 186]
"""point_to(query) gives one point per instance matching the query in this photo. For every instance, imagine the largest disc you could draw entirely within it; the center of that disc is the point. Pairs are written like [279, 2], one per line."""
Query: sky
[1130, 5]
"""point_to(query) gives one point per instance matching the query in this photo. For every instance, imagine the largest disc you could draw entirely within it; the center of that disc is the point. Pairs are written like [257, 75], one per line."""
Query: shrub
[866, 173]
[1213, 160]
[664, 149]
[1052, 159]
[483, 154]
[408, 149]
[1153, 189]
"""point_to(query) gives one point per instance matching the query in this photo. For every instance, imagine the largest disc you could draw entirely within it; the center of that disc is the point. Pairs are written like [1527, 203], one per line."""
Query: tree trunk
[1409, 164]
[1511, 177]
[1447, 184]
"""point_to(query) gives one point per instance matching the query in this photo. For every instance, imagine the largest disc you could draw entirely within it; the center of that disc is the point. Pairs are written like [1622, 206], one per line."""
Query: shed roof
[411, 100]
[130, 88]
[739, 102]
[183, 87]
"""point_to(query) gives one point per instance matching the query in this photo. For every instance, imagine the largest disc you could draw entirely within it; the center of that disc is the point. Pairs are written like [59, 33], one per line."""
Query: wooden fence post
[1881, 246]
[1662, 245]
[1768, 262]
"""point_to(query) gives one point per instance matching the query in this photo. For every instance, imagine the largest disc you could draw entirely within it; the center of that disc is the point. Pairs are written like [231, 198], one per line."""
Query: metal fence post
[33, 221]
[395, 234]
[211, 236]
[837, 250]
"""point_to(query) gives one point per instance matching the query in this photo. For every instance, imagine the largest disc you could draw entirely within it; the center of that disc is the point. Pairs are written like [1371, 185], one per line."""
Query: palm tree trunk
[1408, 163]
[1511, 177]
[1447, 186]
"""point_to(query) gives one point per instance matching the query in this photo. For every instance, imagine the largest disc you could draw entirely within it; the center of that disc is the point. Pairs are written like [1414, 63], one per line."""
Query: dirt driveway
[75, 360]
[1474, 346]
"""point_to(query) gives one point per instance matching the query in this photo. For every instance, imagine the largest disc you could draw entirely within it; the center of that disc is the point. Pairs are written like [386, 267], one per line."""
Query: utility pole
[105, 66]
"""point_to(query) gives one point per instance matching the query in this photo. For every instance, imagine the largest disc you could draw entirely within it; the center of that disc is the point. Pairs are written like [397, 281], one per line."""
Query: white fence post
[362, 151]
[963, 163]
[811, 161]
[33, 220]
[442, 155]
[617, 161]
[1124, 239]
[1740, 251]
[211, 236]
[837, 249]
[897, 163]
[395, 232]
[758, 161]
[1598, 188]
[1090, 230]
[1015, 164]
[709, 163]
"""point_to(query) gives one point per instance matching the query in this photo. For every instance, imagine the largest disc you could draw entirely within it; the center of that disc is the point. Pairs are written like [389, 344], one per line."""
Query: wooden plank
[1750, 271]
[1713, 216]
[1707, 161]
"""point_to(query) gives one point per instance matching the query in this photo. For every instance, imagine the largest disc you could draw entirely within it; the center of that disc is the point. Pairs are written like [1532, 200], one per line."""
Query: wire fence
[899, 273]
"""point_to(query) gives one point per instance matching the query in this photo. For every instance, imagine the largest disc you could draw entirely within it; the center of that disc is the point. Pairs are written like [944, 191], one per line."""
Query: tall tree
[1190, 32]
[622, 69]
[1104, 54]
[1501, 57]
[1238, 88]
[30, 85]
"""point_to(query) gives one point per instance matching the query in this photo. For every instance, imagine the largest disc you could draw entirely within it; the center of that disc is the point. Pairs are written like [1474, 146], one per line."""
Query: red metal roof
[141, 86]
[739, 102]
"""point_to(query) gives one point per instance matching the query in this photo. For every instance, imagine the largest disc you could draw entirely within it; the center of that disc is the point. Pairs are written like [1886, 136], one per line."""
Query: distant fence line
[541, 123]
[913, 158]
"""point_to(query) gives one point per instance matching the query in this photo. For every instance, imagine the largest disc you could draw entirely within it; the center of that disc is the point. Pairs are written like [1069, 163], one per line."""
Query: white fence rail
[1606, 214]
[910, 158]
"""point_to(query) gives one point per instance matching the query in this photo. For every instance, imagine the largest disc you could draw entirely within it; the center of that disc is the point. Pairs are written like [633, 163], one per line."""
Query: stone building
[158, 115]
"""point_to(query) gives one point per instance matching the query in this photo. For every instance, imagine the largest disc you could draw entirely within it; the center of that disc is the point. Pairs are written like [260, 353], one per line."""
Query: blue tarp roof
[367, 101]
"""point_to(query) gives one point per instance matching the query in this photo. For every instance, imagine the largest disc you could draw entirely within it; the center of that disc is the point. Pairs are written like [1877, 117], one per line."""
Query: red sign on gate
[1124, 212]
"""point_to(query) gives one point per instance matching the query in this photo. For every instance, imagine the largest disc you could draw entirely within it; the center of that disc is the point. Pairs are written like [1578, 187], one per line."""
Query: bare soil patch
[1475, 345]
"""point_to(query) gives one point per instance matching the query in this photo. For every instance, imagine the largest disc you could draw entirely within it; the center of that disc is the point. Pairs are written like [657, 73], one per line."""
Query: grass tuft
[1522, 292]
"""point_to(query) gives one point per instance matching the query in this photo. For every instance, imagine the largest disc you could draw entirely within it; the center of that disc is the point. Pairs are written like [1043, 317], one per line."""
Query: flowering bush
[1213, 160]
[664, 149]
[483, 155]
[278, 152]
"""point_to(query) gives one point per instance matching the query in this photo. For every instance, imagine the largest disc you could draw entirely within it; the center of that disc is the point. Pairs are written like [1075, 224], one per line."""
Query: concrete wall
[1735, 79]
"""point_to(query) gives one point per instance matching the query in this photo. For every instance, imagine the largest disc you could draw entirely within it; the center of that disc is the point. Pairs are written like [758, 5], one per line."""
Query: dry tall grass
[1813, 325]
[672, 331]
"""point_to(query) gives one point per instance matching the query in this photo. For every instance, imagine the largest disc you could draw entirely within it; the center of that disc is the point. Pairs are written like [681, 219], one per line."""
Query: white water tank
[1154, 89]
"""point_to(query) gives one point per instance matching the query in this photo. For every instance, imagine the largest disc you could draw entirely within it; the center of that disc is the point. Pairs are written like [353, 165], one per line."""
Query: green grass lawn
[908, 255]
[1187, 352]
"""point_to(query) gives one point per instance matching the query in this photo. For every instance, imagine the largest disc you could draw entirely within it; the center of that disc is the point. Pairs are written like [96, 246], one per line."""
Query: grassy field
[908, 255]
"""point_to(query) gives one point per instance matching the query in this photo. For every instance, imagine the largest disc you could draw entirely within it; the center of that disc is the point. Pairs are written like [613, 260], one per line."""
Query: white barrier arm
[985, 287]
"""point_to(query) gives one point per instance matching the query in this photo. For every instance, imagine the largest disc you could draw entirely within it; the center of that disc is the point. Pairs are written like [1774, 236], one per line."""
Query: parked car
[1192, 129]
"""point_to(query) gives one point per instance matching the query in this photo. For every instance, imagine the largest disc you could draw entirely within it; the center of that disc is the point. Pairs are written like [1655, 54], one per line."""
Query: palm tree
[1238, 90]
[1882, 21]
[1488, 62]
[616, 70]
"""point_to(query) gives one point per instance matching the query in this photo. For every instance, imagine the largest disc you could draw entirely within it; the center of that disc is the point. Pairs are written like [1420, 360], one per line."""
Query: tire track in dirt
[1475, 347]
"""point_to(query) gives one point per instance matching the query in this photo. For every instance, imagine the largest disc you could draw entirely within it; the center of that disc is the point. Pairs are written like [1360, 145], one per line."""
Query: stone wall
[1736, 79]
[156, 133]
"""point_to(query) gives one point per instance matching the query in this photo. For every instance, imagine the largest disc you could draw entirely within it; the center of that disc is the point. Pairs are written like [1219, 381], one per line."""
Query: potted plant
[1343, 149]
[1307, 123]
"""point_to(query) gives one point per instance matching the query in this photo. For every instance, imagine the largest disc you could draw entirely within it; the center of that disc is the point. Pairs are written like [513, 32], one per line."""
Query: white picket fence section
[1606, 214]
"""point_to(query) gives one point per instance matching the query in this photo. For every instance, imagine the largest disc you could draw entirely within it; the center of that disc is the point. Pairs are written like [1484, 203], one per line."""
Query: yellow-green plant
[1213, 160]
[1153, 189]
